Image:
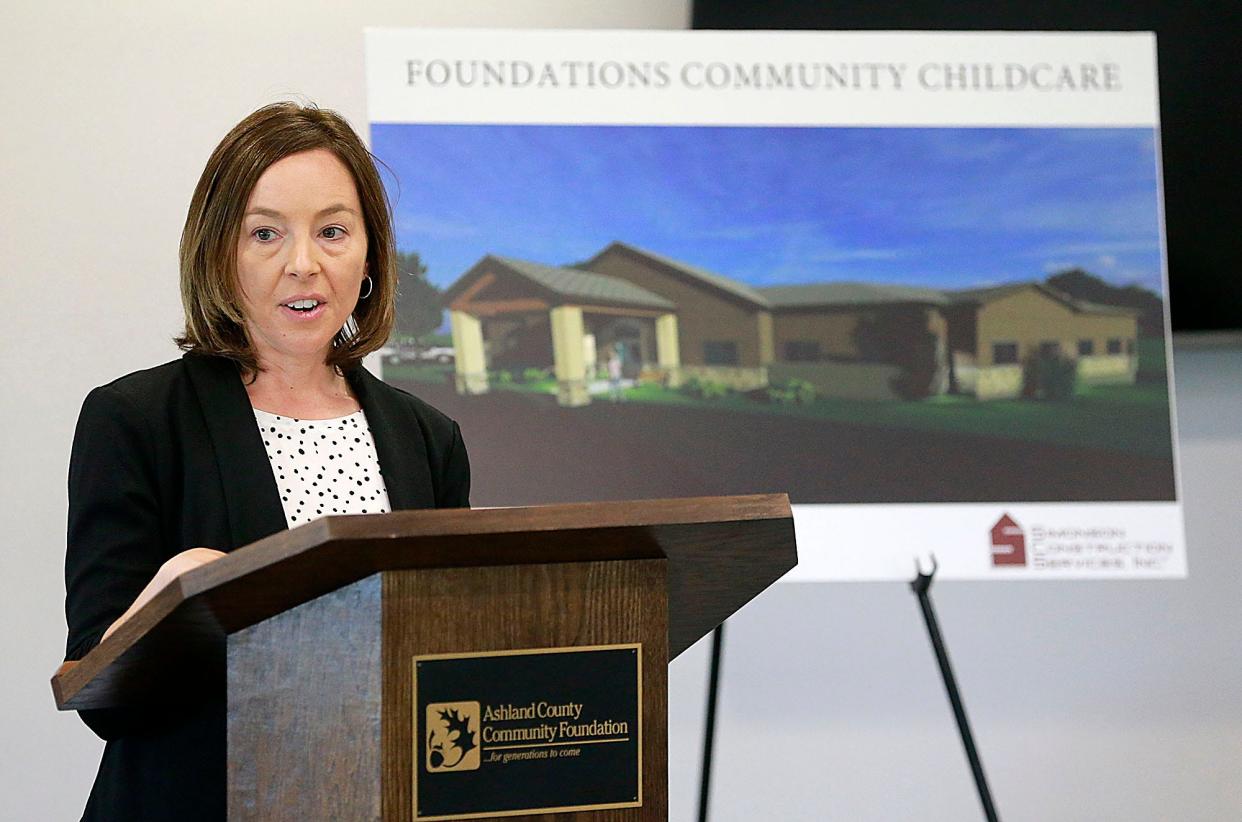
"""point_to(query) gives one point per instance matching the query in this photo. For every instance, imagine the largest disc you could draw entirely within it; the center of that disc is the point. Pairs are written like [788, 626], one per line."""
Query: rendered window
[1004, 353]
[720, 352]
[1049, 349]
[1086, 348]
[1114, 345]
[802, 351]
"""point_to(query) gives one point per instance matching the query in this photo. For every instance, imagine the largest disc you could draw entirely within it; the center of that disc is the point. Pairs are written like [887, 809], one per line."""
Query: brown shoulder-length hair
[210, 293]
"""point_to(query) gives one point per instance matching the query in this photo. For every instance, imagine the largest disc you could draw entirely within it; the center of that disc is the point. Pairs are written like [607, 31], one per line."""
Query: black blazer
[171, 458]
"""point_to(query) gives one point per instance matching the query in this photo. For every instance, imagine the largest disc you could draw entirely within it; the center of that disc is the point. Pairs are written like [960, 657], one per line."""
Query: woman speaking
[267, 421]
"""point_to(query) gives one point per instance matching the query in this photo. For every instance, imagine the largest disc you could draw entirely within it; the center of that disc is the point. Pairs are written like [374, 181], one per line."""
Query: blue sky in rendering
[941, 207]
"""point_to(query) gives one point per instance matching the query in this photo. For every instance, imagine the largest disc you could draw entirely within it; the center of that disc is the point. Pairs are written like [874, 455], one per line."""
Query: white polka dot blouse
[323, 467]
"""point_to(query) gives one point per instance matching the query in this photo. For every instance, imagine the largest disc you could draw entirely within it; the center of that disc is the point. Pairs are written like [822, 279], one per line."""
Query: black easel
[709, 729]
[921, 585]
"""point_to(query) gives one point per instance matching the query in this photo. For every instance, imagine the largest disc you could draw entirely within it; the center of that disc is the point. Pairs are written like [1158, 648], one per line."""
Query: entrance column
[767, 341]
[668, 353]
[468, 353]
[568, 355]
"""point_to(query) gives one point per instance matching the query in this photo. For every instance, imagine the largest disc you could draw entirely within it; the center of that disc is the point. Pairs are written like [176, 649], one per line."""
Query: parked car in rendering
[404, 354]
[442, 354]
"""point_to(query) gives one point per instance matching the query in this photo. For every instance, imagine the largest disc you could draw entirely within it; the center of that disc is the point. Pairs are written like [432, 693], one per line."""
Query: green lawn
[545, 386]
[1152, 364]
[1130, 418]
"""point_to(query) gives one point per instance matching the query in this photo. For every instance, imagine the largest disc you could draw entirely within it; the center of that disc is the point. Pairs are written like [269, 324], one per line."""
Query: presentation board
[915, 280]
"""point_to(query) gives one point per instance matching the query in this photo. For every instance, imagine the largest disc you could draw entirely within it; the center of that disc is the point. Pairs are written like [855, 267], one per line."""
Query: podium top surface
[721, 552]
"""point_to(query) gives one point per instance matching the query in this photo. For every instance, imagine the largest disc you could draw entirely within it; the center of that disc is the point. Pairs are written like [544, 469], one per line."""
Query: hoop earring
[370, 288]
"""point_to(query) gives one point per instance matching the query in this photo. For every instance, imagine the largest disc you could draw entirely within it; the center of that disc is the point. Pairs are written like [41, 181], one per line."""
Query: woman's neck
[301, 389]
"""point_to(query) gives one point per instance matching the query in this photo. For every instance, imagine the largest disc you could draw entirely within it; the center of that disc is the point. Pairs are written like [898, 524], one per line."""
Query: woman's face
[301, 256]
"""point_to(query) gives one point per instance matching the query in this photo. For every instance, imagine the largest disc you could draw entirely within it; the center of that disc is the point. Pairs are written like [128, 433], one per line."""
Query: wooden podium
[336, 629]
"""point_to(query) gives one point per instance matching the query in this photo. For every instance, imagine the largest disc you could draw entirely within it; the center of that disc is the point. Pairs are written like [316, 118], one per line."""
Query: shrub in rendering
[792, 392]
[704, 389]
[900, 337]
[1049, 376]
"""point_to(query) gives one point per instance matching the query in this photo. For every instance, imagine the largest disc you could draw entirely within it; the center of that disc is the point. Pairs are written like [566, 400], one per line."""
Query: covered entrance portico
[516, 316]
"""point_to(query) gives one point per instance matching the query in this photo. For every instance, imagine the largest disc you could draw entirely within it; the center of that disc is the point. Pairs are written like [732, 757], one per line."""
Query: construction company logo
[452, 737]
[1008, 542]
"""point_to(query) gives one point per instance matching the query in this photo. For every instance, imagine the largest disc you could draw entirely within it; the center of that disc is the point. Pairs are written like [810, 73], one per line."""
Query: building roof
[855, 293]
[708, 278]
[578, 284]
[849, 294]
[987, 295]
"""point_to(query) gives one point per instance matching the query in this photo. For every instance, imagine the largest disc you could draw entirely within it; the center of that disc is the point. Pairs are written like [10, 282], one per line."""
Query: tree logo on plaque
[1008, 542]
[452, 736]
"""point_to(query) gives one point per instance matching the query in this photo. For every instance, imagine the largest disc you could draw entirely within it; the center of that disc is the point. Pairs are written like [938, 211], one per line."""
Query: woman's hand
[187, 560]
[172, 568]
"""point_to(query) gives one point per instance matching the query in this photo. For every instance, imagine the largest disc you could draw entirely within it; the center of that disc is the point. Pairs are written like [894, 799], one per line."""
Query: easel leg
[709, 729]
[921, 585]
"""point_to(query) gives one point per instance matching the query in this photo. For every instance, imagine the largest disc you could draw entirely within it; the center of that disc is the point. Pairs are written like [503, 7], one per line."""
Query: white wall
[1090, 700]
[108, 111]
